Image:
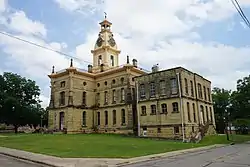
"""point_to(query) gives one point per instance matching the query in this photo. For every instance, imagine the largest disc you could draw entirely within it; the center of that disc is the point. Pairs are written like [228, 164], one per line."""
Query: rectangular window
[192, 88]
[114, 117]
[142, 91]
[122, 94]
[174, 89]
[202, 113]
[186, 86]
[162, 88]
[114, 96]
[106, 118]
[205, 92]
[207, 114]
[200, 91]
[123, 117]
[211, 114]
[98, 118]
[194, 112]
[105, 97]
[208, 94]
[153, 109]
[98, 98]
[84, 118]
[164, 108]
[143, 110]
[152, 89]
[84, 98]
[62, 98]
[175, 107]
[176, 130]
[188, 112]
[158, 130]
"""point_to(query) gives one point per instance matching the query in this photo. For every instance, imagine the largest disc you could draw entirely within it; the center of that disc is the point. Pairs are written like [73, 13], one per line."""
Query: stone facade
[173, 103]
[104, 98]
[99, 99]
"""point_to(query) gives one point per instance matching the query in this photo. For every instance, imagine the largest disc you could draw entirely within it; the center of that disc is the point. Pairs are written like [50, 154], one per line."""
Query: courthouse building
[112, 98]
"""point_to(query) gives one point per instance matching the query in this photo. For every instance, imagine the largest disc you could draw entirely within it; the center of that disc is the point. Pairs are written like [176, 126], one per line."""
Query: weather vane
[105, 15]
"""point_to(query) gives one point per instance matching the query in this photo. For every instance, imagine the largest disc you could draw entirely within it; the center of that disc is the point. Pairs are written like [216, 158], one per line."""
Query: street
[6, 161]
[230, 156]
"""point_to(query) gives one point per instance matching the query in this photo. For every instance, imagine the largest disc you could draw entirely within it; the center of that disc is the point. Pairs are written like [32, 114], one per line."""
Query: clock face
[99, 42]
[111, 41]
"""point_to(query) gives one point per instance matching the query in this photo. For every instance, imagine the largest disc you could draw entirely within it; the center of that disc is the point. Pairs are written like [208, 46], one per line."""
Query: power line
[50, 49]
[240, 11]
[244, 16]
[40, 46]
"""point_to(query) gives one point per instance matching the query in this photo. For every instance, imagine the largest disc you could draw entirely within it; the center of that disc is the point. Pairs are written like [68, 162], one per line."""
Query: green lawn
[101, 145]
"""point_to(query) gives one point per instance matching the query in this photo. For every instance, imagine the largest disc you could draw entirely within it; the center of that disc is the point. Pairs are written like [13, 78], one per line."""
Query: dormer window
[62, 84]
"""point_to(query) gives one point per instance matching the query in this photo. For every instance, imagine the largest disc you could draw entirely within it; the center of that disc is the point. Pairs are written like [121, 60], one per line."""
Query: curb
[128, 161]
[29, 160]
[175, 153]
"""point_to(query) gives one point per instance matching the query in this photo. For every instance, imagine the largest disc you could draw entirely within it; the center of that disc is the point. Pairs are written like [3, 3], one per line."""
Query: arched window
[99, 60]
[84, 118]
[112, 62]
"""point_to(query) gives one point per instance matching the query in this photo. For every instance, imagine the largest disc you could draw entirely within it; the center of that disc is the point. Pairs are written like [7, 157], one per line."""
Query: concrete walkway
[90, 162]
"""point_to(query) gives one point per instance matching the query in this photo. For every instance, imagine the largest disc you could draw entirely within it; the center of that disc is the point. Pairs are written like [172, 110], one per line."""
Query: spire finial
[53, 69]
[105, 15]
[71, 62]
[127, 59]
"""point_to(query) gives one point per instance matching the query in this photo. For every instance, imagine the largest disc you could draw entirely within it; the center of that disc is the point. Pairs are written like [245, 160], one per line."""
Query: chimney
[127, 59]
[155, 68]
[53, 69]
[134, 62]
[90, 68]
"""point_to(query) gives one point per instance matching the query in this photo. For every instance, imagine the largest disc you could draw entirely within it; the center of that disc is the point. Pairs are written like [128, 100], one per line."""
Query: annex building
[114, 98]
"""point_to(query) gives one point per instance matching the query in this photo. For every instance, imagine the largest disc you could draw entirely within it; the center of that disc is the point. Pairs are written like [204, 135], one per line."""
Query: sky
[205, 36]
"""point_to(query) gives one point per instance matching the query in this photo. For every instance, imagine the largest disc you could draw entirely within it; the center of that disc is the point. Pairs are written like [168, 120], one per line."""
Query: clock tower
[105, 53]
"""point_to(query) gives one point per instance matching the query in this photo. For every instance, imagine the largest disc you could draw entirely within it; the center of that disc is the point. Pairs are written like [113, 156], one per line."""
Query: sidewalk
[91, 162]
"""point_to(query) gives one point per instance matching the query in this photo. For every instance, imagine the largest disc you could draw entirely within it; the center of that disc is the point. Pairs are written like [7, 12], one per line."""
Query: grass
[101, 145]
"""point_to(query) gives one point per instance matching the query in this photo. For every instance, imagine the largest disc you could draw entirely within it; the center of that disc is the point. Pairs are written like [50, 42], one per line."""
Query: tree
[221, 100]
[241, 99]
[18, 99]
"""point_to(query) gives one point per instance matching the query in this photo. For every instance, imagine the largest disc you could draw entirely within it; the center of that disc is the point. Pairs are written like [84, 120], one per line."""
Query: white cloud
[82, 6]
[243, 24]
[20, 23]
[148, 30]
[3, 5]
[30, 61]
[45, 101]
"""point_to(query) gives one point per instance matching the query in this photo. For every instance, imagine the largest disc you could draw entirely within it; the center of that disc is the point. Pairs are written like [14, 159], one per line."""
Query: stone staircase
[204, 130]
